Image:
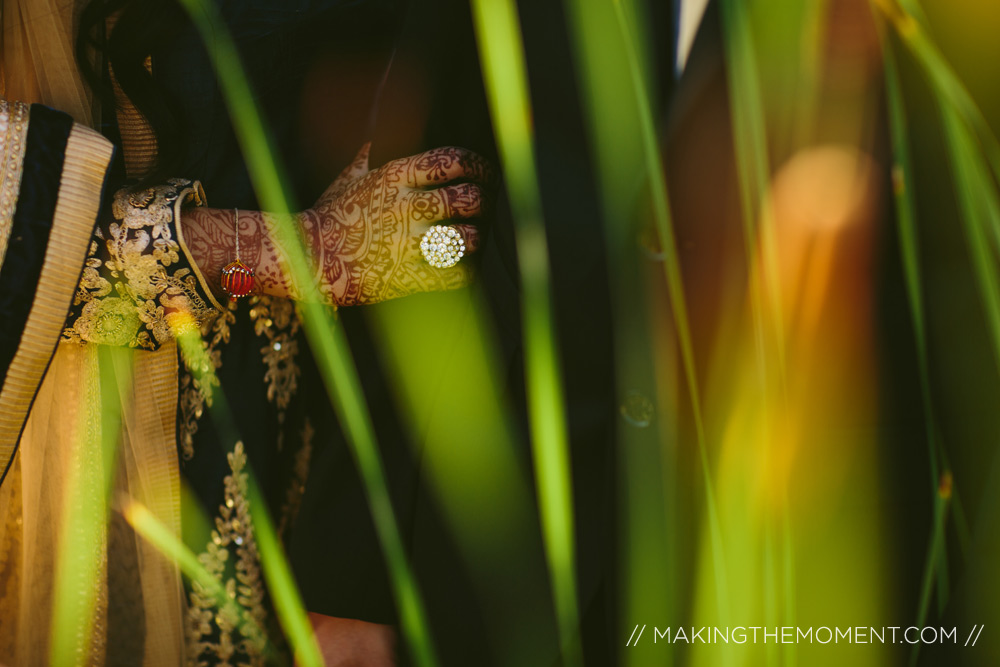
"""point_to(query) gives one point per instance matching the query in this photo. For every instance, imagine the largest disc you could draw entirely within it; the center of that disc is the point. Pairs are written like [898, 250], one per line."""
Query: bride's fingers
[442, 165]
[417, 276]
[359, 166]
[471, 235]
[455, 277]
[454, 201]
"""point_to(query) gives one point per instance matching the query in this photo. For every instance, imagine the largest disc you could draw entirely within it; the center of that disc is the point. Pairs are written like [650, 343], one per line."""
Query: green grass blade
[502, 56]
[753, 171]
[150, 529]
[902, 179]
[82, 530]
[671, 265]
[935, 566]
[911, 25]
[446, 396]
[979, 208]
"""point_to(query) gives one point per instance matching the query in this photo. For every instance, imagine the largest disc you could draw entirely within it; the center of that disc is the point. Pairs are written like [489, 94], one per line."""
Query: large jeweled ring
[442, 246]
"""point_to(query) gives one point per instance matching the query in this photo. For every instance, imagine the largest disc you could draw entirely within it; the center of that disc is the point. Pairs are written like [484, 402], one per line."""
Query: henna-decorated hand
[364, 232]
[363, 235]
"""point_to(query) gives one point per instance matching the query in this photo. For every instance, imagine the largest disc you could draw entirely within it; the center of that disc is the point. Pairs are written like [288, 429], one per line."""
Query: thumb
[353, 171]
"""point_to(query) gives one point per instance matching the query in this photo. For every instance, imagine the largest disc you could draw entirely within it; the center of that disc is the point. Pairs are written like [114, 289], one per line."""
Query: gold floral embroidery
[276, 320]
[135, 289]
[297, 486]
[230, 634]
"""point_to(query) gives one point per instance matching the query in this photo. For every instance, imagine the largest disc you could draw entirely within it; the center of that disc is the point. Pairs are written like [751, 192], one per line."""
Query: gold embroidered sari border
[87, 158]
[14, 131]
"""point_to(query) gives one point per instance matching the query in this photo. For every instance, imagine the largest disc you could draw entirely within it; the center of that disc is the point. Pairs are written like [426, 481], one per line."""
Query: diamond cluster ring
[442, 246]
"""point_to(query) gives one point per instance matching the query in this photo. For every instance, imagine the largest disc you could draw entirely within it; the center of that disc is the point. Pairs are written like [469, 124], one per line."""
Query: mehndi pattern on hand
[364, 232]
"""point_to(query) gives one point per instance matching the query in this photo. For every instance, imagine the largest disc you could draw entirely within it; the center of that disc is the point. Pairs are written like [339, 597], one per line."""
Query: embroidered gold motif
[300, 473]
[13, 129]
[230, 634]
[135, 290]
[276, 320]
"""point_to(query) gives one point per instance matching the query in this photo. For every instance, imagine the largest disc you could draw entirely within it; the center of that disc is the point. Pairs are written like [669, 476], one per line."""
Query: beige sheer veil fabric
[38, 61]
[61, 442]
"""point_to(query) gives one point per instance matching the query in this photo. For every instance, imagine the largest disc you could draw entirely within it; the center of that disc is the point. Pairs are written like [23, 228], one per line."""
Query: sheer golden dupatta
[37, 59]
[50, 482]
[58, 476]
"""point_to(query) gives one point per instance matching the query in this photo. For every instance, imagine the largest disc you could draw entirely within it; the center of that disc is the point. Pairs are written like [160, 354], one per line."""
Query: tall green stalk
[502, 56]
[657, 179]
[910, 250]
[974, 158]
[752, 167]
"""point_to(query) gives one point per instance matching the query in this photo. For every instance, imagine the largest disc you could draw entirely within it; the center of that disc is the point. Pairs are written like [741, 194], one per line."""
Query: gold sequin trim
[13, 130]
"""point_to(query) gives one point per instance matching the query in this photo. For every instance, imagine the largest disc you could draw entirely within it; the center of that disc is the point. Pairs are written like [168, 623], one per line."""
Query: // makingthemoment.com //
[804, 635]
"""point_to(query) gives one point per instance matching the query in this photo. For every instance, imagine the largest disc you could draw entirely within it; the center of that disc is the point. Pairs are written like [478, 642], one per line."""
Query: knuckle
[471, 233]
[465, 199]
[397, 166]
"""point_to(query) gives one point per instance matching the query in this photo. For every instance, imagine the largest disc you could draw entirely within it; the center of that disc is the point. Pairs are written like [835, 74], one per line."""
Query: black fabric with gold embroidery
[138, 286]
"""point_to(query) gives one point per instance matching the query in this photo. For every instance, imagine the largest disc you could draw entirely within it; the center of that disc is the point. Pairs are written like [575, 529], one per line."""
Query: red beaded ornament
[237, 277]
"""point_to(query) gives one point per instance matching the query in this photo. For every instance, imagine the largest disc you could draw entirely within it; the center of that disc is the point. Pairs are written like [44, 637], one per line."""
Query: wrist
[211, 242]
[293, 257]
[267, 245]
